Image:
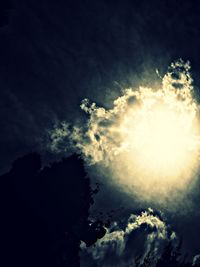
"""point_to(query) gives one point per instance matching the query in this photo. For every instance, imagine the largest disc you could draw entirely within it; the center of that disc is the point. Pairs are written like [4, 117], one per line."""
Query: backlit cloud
[147, 143]
[122, 244]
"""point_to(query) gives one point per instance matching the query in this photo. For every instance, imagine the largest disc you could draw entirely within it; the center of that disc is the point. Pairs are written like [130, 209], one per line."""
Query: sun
[161, 134]
[159, 131]
[161, 138]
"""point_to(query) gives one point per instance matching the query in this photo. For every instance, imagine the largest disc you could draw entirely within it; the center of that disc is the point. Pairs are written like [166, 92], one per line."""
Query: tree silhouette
[44, 213]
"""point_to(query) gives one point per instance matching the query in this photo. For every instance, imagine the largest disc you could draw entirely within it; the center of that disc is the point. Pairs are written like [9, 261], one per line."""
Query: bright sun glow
[148, 142]
[161, 134]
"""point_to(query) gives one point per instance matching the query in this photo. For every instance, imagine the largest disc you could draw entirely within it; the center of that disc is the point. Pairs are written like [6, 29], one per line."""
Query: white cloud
[147, 143]
[122, 244]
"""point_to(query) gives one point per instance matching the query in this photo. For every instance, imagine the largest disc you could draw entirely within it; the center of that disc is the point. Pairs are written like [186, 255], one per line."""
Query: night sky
[54, 54]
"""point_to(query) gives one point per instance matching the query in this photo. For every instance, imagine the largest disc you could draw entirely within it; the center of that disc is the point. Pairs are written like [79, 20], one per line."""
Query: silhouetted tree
[5, 6]
[44, 213]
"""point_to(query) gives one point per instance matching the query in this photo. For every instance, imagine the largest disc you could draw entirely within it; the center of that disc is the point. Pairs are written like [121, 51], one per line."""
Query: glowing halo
[148, 142]
[161, 134]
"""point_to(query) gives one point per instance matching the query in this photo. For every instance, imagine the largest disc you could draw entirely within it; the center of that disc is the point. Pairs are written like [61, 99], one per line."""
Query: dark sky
[55, 53]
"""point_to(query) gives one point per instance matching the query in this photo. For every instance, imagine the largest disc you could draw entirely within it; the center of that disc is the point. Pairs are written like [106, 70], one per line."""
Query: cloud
[147, 142]
[196, 260]
[101, 138]
[123, 243]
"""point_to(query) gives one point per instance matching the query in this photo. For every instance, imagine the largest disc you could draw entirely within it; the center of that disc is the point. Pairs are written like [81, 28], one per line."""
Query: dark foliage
[5, 6]
[44, 213]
